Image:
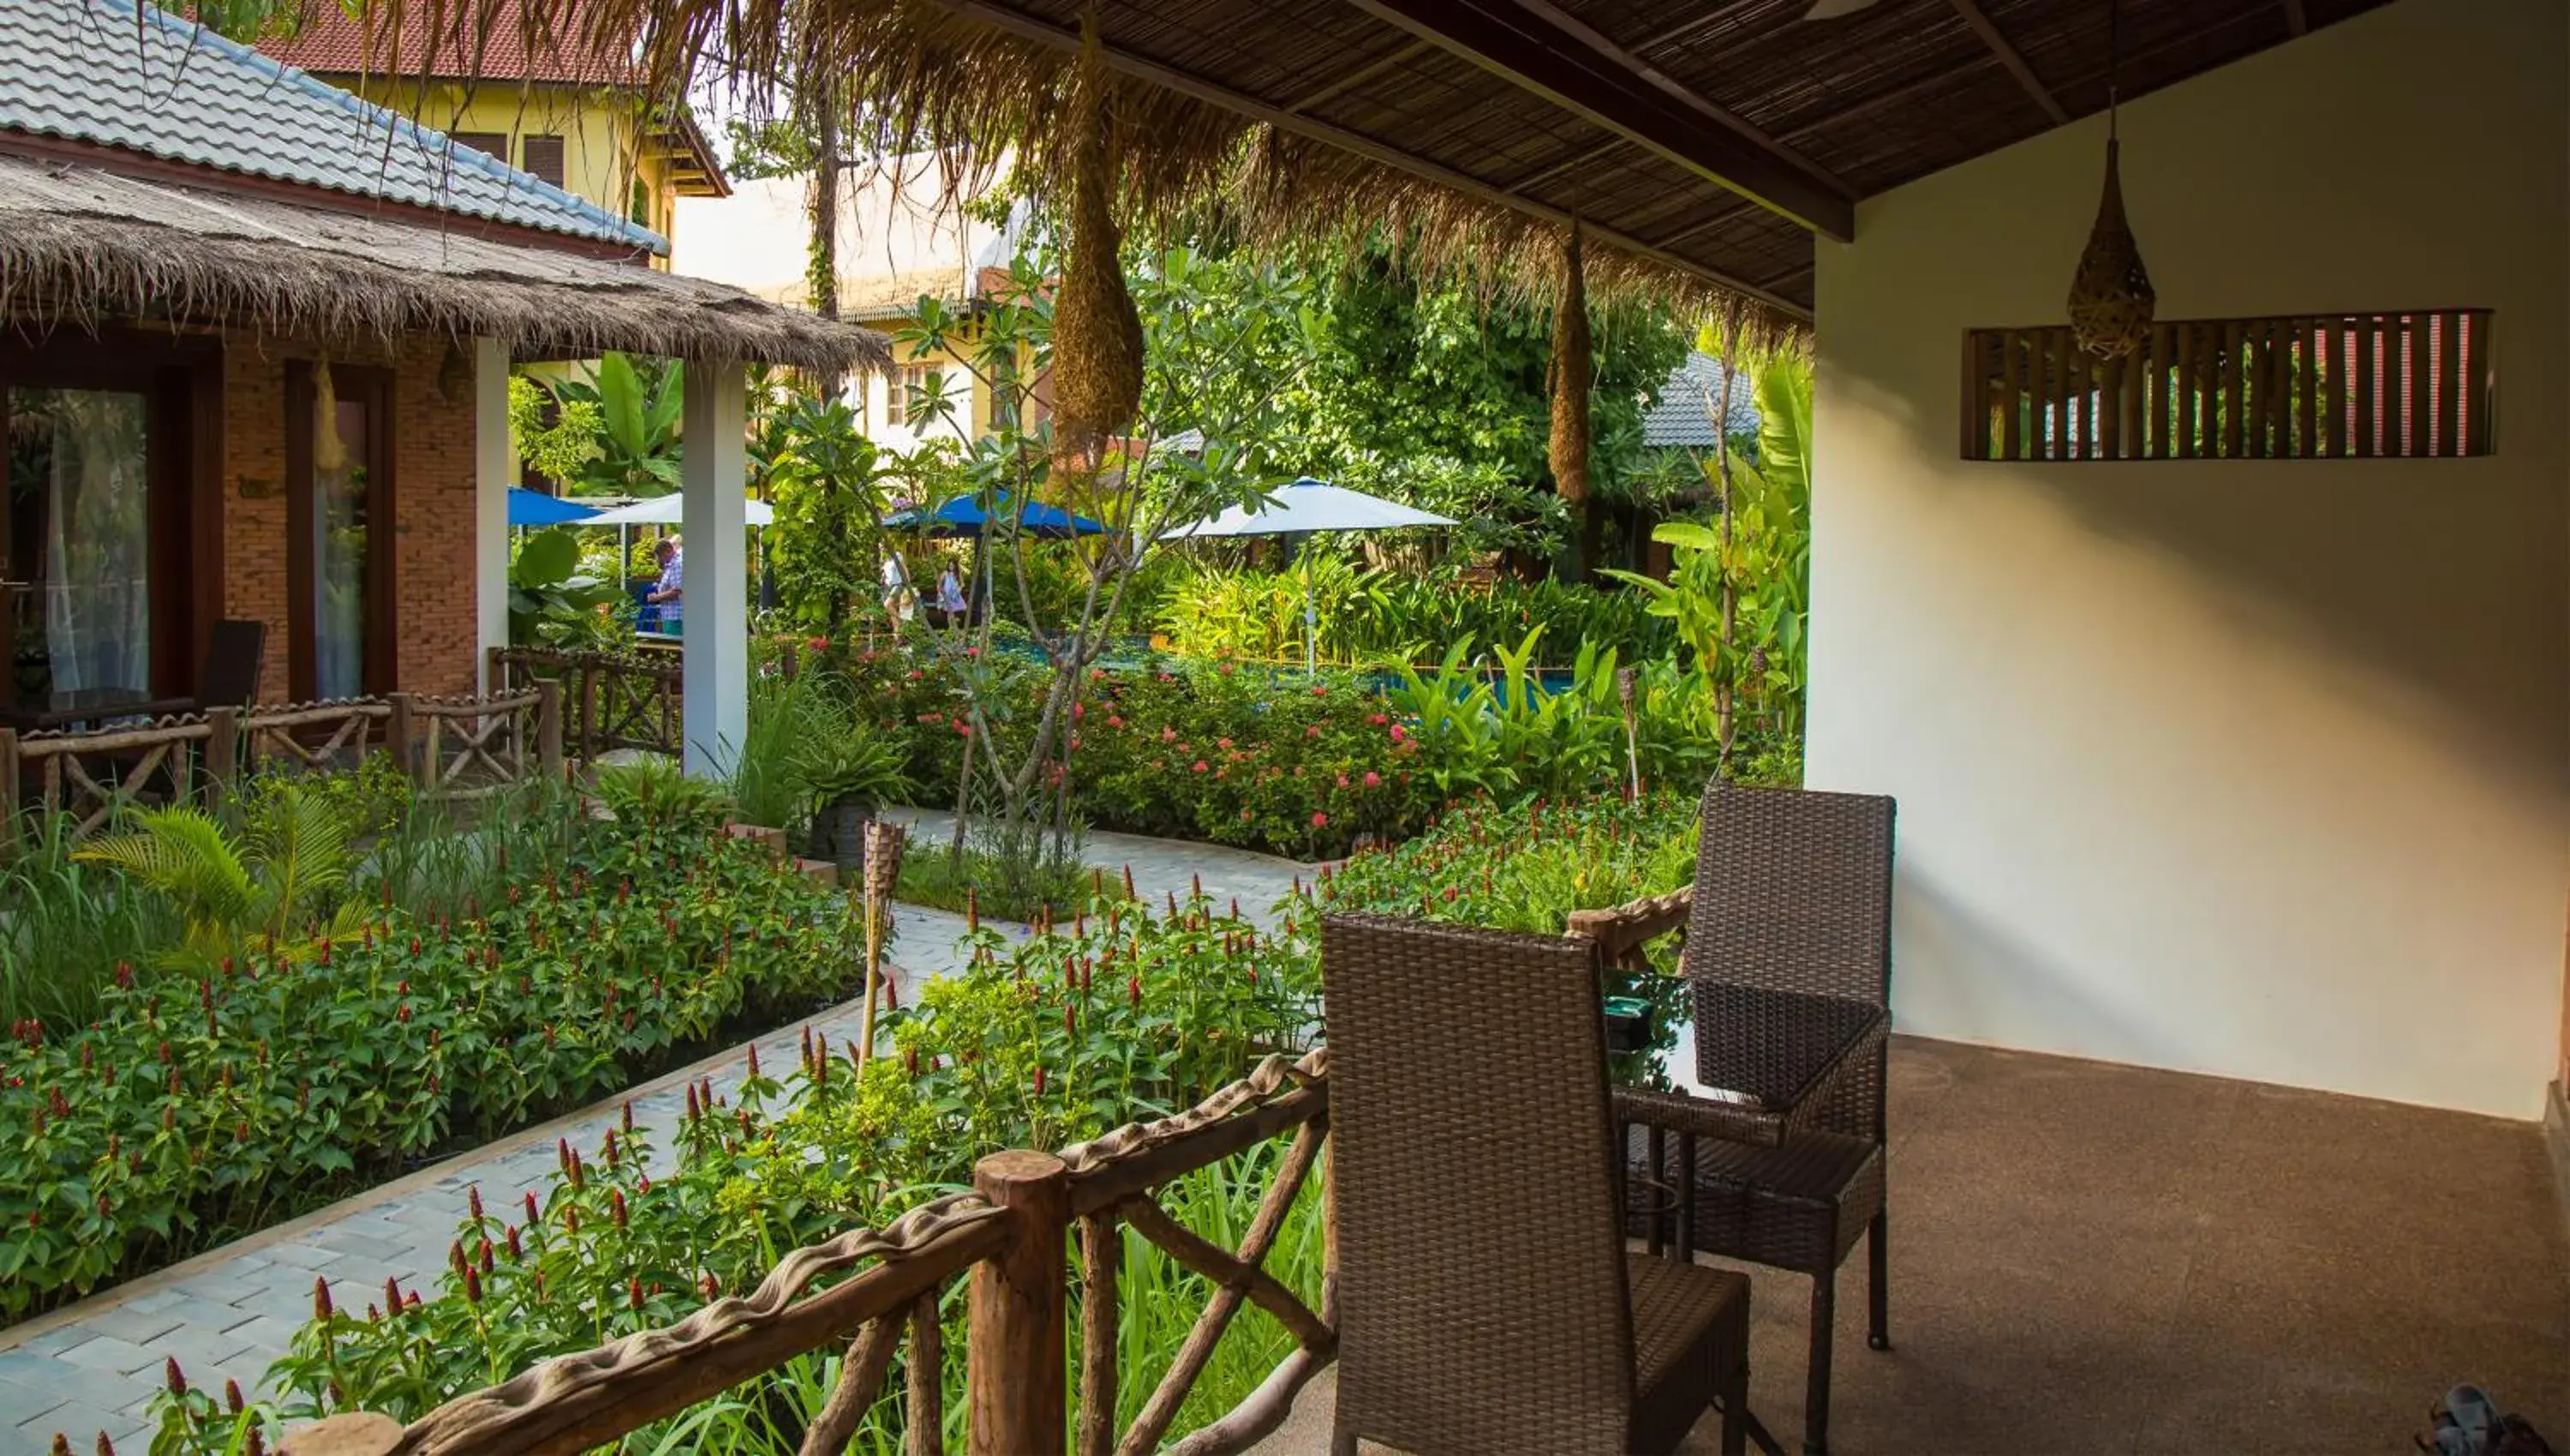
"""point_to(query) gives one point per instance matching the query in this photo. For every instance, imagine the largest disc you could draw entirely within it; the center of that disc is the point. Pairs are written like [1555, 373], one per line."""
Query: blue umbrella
[534, 508]
[964, 516]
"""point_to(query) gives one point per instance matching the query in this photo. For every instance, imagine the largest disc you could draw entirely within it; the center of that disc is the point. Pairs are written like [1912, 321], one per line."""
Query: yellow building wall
[601, 153]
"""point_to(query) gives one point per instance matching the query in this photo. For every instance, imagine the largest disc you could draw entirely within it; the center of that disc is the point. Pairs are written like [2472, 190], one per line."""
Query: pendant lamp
[2111, 300]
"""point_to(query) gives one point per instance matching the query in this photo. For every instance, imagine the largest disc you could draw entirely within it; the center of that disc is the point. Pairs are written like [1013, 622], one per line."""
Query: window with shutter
[494, 144]
[542, 155]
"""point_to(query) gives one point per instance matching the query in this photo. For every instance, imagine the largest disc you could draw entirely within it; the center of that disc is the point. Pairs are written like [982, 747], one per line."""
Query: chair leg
[1735, 1410]
[1878, 1283]
[1816, 1401]
[1343, 1442]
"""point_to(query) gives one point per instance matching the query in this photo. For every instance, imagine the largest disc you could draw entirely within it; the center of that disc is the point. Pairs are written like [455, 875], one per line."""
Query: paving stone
[107, 1352]
[266, 1331]
[358, 1246]
[221, 1287]
[302, 1255]
[82, 1424]
[156, 1299]
[126, 1322]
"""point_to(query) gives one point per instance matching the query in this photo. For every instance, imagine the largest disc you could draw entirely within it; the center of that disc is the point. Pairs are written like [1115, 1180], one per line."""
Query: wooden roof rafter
[1542, 50]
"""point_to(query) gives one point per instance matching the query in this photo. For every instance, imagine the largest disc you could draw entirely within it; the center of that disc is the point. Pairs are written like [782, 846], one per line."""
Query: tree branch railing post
[1016, 1378]
[549, 729]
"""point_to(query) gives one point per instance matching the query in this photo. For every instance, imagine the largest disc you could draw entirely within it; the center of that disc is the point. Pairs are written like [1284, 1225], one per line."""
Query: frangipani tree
[1198, 327]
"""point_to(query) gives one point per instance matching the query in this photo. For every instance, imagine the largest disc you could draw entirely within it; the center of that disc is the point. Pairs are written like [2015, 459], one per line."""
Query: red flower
[1397, 734]
[1373, 780]
[1115, 720]
[1342, 781]
[1378, 720]
[1320, 820]
[1077, 712]
[1200, 765]
[817, 644]
[1319, 691]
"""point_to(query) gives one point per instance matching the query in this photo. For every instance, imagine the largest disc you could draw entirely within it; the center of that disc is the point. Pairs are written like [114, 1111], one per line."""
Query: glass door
[78, 547]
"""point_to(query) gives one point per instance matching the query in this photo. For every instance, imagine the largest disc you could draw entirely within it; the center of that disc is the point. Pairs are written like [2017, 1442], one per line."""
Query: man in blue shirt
[669, 595]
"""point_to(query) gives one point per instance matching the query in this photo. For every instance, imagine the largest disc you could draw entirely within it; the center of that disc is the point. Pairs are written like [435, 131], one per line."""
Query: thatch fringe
[934, 77]
[81, 247]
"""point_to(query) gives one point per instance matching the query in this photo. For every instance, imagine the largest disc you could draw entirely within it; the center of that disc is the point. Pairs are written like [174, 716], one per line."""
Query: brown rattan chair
[1485, 1300]
[1789, 956]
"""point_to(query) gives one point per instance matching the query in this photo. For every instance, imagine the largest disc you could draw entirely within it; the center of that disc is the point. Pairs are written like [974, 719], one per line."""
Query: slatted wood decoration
[2347, 386]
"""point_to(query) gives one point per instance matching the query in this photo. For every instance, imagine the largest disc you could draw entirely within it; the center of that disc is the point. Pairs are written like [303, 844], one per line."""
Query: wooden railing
[1010, 1237]
[452, 748]
[614, 700]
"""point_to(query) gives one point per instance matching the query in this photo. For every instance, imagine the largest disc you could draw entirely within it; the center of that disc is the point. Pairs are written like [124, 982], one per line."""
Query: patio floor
[2089, 1258]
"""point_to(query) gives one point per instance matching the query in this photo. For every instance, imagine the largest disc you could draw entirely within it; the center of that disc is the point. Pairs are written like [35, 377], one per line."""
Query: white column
[495, 470]
[713, 475]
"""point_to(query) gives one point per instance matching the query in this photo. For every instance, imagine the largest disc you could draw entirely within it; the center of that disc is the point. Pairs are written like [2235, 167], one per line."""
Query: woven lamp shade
[2111, 300]
[884, 843]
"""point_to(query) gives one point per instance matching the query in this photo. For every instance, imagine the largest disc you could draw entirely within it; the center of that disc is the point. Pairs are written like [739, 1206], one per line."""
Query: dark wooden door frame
[375, 388]
[181, 377]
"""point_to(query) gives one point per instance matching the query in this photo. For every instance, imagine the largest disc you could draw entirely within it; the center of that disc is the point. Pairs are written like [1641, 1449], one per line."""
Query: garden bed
[243, 1076]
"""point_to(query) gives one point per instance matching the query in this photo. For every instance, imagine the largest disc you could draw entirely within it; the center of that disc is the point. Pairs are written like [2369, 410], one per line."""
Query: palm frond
[183, 854]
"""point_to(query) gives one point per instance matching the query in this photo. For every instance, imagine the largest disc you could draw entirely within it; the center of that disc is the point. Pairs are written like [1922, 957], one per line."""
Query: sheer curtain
[96, 571]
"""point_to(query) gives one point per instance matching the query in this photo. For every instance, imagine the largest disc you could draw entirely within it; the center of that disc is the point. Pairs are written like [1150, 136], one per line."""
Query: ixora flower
[1399, 733]
[1115, 721]
[1200, 765]
[1320, 820]
[1373, 780]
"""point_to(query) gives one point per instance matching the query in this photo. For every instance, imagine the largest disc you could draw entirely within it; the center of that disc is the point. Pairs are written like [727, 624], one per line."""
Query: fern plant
[287, 878]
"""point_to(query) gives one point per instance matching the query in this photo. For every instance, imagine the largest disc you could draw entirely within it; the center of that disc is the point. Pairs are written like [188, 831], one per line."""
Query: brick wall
[433, 514]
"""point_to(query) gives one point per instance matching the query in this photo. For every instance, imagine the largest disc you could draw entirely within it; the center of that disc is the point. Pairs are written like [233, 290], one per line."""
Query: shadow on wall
[1963, 975]
[2430, 593]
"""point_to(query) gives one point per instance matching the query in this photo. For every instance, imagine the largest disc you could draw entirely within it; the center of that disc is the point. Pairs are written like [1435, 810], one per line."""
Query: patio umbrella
[535, 508]
[1300, 508]
[963, 515]
[670, 510]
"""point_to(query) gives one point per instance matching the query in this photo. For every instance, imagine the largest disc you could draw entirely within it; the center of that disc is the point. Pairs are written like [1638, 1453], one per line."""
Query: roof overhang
[84, 247]
[1703, 146]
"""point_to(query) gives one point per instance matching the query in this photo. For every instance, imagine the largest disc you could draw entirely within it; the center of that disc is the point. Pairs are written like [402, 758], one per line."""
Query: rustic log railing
[452, 748]
[612, 700]
[1010, 1237]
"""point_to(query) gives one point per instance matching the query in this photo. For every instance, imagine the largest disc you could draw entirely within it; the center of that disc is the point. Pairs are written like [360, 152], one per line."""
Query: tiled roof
[144, 81]
[1684, 414]
[335, 44]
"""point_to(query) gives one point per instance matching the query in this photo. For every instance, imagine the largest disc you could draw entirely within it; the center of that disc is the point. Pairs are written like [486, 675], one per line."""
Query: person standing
[896, 586]
[671, 591]
[950, 596]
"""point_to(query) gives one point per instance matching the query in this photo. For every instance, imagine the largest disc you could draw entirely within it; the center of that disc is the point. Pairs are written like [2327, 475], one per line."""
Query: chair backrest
[233, 656]
[1482, 1298]
[1793, 894]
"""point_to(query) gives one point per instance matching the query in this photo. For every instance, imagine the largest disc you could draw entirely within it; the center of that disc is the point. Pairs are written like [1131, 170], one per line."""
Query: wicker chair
[1787, 947]
[1486, 1301]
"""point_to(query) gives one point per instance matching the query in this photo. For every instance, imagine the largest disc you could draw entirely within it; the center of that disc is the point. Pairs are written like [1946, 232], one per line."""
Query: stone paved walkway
[225, 1314]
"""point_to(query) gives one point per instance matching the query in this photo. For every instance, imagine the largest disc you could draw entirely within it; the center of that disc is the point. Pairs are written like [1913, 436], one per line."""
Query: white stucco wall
[2259, 768]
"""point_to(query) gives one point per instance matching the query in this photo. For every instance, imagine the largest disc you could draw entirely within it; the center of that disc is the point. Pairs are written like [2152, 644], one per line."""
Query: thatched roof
[83, 246]
[1701, 143]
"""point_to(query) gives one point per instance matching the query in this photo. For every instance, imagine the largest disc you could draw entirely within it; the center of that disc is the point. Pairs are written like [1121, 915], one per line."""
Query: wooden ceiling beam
[1183, 82]
[2011, 58]
[1544, 52]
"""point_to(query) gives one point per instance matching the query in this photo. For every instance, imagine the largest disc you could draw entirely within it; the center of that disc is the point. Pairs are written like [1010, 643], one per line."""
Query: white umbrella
[670, 510]
[1300, 508]
[1308, 506]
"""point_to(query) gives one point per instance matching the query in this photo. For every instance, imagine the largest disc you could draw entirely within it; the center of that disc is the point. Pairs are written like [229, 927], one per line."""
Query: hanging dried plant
[1571, 374]
[1096, 333]
[2111, 299]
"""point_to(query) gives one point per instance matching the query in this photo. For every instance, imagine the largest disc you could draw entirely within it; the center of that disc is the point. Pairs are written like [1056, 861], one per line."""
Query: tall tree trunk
[1725, 684]
[823, 266]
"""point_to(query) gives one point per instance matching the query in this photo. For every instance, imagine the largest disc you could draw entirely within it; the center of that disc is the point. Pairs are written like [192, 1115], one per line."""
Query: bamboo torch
[883, 842]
